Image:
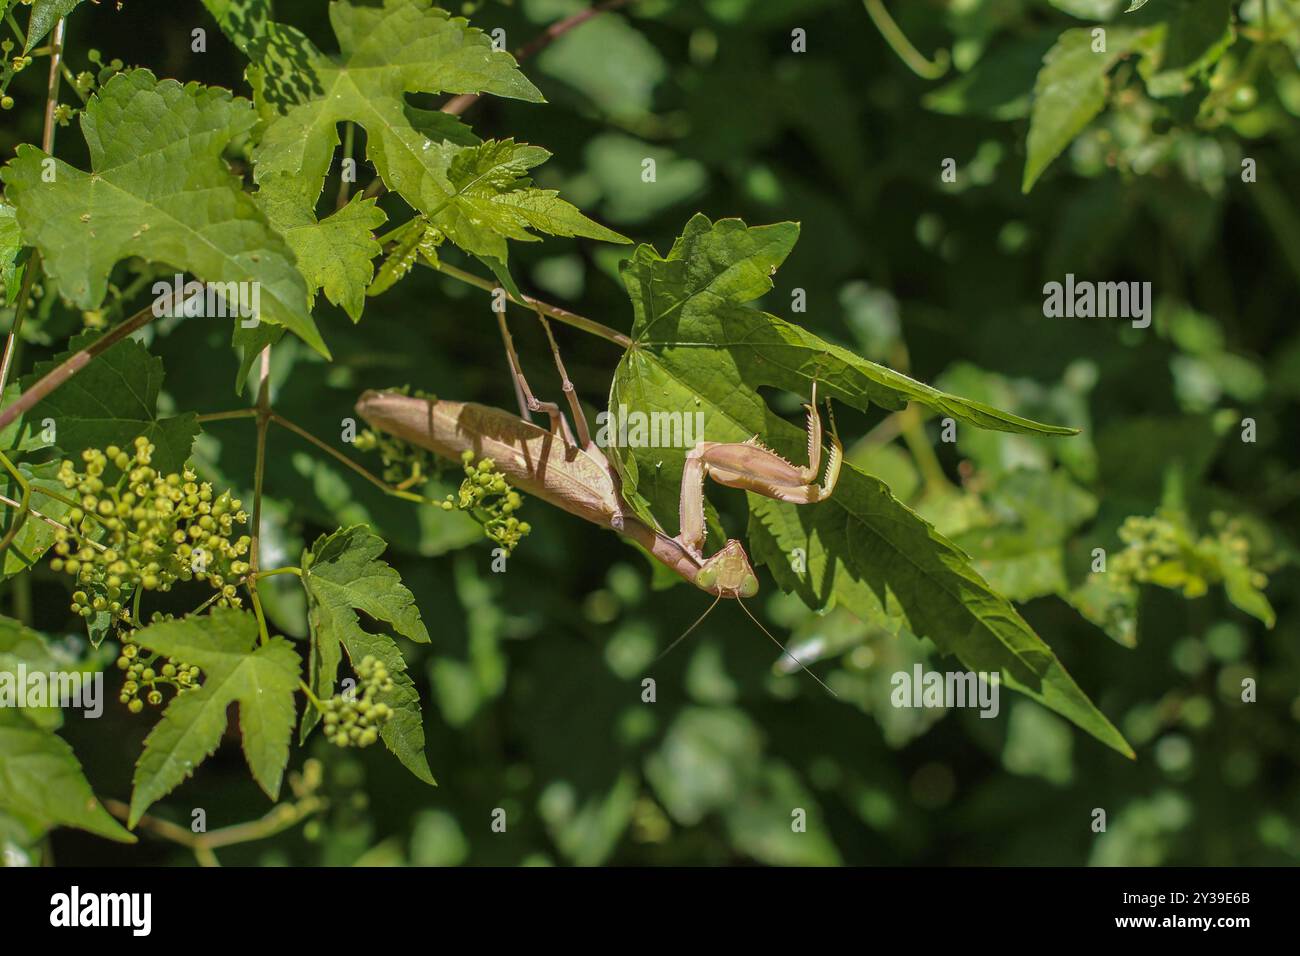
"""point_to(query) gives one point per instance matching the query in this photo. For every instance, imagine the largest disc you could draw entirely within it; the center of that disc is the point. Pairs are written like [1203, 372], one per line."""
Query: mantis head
[727, 573]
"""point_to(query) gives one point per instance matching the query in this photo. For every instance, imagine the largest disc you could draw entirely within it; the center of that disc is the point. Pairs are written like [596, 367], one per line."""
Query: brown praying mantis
[573, 473]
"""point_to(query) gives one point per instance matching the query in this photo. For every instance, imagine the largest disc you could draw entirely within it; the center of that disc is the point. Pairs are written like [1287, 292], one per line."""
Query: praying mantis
[572, 473]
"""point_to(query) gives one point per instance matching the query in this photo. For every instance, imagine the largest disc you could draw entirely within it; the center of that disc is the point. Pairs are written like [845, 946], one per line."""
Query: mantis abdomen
[534, 460]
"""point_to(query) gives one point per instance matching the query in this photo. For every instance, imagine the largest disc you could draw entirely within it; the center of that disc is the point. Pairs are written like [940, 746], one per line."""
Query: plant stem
[41, 516]
[285, 570]
[348, 135]
[224, 416]
[278, 819]
[263, 412]
[259, 473]
[899, 43]
[52, 90]
[19, 32]
[23, 598]
[345, 460]
[315, 701]
[24, 506]
[47, 144]
[20, 312]
[536, 305]
[927, 461]
[459, 104]
[54, 378]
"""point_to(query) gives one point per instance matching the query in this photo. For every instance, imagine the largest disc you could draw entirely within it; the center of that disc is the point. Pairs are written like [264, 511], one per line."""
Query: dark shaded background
[531, 685]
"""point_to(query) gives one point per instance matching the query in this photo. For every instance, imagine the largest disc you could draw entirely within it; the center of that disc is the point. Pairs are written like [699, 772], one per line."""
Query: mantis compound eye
[748, 586]
[707, 578]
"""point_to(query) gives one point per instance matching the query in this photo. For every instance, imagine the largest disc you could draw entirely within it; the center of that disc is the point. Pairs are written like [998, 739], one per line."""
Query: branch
[263, 423]
[54, 378]
[24, 507]
[344, 459]
[459, 104]
[279, 818]
[536, 305]
[52, 90]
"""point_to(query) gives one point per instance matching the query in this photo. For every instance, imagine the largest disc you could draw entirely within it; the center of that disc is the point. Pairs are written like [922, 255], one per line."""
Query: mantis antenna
[700, 620]
[783, 649]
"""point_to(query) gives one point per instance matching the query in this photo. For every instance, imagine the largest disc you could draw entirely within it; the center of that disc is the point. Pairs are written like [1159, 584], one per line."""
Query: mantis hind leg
[528, 402]
[570, 394]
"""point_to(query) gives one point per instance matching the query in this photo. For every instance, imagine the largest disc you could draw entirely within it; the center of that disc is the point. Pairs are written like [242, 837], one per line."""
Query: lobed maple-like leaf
[240, 20]
[159, 189]
[41, 781]
[477, 194]
[261, 678]
[698, 346]
[342, 574]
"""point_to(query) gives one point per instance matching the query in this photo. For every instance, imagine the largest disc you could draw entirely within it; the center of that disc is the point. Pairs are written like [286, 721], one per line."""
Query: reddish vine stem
[264, 414]
[459, 104]
[74, 364]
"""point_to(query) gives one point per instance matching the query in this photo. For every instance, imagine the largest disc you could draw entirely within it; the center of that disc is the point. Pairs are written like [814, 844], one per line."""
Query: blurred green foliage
[531, 685]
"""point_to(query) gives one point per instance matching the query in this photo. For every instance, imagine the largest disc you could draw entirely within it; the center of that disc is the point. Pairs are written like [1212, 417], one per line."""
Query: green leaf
[1192, 37]
[334, 254]
[20, 644]
[261, 678]
[692, 325]
[997, 86]
[11, 243]
[1239, 586]
[863, 541]
[698, 347]
[342, 574]
[36, 536]
[1088, 9]
[241, 20]
[1069, 92]
[42, 782]
[415, 239]
[476, 194]
[1023, 556]
[403, 734]
[484, 197]
[46, 13]
[111, 402]
[158, 189]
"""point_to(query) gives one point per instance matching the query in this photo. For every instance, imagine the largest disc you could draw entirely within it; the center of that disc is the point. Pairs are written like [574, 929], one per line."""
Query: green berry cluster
[8, 67]
[354, 719]
[106, 70]
[146, 674]
[135, 527]
[406, 466]
[487, 496]
[1164, 549]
